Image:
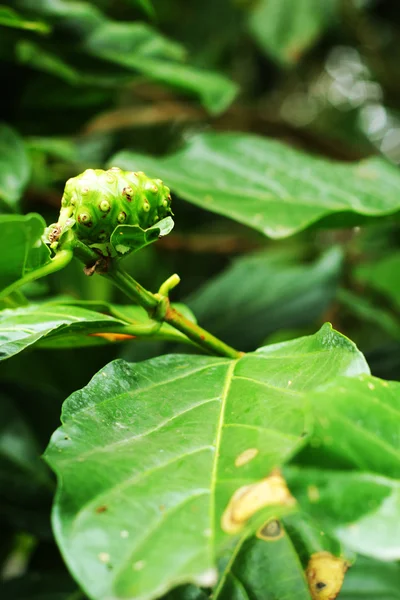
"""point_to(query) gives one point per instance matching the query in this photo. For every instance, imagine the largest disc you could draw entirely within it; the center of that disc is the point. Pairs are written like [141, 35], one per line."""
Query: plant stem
[132, 288]
[151, 303]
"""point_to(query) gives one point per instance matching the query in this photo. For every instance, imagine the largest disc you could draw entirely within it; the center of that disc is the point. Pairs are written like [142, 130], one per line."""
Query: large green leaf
[14, 167]
[21, 249]
[362, 510]
[65, 325]
[262, 293]
[148, 457]
[284, 29]
[10, 18]
[139, 47]
[269, 186]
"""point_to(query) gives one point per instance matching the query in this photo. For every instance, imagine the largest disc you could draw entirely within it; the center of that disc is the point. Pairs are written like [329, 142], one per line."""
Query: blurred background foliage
[83, 80]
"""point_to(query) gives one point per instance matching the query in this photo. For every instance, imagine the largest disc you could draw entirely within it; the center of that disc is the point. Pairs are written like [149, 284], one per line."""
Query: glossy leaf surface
[148, 457]
[269, 186]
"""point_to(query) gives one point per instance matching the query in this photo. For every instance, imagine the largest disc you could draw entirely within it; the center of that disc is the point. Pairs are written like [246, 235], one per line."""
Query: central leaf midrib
[224, 397]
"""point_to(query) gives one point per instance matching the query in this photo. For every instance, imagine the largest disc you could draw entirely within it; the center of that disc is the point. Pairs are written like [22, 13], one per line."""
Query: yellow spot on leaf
[249, 499]
[104, 557]
[246, 457]
[139, 565]
[371, 386]
[325, 575]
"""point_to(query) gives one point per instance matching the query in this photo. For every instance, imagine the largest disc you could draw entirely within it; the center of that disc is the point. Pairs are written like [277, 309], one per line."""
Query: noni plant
[199, 301]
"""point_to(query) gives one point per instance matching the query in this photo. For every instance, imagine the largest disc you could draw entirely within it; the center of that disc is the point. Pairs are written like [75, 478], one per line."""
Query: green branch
[159, 308]
[157, 305]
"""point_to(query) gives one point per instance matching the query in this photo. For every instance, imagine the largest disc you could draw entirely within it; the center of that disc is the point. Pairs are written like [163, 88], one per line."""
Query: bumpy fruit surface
[98, 201]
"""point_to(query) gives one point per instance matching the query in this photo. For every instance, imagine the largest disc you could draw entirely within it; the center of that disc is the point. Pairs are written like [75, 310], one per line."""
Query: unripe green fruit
[97, 201]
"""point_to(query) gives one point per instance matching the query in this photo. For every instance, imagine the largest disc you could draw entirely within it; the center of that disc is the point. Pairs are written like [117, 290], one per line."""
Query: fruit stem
[157, 305]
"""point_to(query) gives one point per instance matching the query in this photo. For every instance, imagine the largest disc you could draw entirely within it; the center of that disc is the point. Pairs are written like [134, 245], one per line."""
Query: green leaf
[147, 457]
[285, 29]
[269, 292]
[32, 54]
[21, 248]
[362, 510]
[269, 186]
[372, 580]
[65, 149]
[383, 276]
[357, 420]
[14, 167]
[10, 18]
[139, 47]
[70, 325]
[264, 570]
[131, 238]
[81, 16]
